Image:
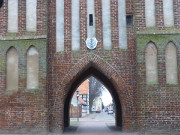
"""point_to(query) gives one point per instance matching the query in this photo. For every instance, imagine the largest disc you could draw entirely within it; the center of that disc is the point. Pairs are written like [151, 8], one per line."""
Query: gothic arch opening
[91, 71]
[32, 68]
[151, 63]
[171, 63]
[12, 69]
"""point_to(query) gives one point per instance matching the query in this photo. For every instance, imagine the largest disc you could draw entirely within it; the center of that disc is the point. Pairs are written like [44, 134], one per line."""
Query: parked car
[98, 111]
[110, 112]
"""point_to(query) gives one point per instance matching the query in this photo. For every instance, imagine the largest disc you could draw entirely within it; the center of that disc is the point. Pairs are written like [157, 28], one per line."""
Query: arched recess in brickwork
[32, 68]
[171, 63]
[151, 63]
[12, 70]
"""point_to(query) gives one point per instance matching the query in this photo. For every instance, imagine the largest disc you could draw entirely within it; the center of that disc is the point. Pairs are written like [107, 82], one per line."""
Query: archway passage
[91, 71]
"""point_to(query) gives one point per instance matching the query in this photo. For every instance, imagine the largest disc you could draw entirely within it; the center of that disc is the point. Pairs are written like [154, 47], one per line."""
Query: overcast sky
[106, 97]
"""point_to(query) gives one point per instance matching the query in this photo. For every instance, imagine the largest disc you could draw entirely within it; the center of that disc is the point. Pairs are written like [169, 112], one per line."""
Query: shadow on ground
[70, 130]
[114, 128]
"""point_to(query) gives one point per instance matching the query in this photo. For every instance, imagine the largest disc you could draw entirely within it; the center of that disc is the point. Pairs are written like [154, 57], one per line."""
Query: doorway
[93, 72]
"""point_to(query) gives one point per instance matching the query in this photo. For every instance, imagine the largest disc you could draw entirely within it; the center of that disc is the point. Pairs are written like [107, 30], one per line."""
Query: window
[1, 3]
[90, 20]
[129, 19]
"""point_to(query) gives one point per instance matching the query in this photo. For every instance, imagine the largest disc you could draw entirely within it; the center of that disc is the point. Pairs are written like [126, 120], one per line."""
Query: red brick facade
[71, 68]
[139, 107]
[41, 19]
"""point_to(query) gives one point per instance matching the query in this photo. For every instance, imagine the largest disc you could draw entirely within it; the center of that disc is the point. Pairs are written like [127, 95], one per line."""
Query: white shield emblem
[91, 43]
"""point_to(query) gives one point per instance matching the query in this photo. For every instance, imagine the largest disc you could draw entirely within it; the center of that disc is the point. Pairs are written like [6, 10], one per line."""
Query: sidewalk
[95, 128]
[95, 124]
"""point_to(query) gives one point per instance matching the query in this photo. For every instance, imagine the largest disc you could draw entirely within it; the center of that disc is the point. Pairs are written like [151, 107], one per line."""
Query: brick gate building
[44, 58]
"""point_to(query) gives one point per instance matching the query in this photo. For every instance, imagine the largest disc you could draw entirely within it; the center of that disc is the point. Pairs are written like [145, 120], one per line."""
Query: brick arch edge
[101, 70]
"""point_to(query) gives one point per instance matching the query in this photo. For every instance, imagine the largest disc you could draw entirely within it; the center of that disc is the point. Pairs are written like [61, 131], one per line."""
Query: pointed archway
[92, 71]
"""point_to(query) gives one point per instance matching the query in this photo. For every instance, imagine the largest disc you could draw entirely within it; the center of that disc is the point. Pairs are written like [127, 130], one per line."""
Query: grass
[74, 122]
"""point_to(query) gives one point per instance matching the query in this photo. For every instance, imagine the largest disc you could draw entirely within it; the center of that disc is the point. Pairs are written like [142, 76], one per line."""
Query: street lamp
[77, 92]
